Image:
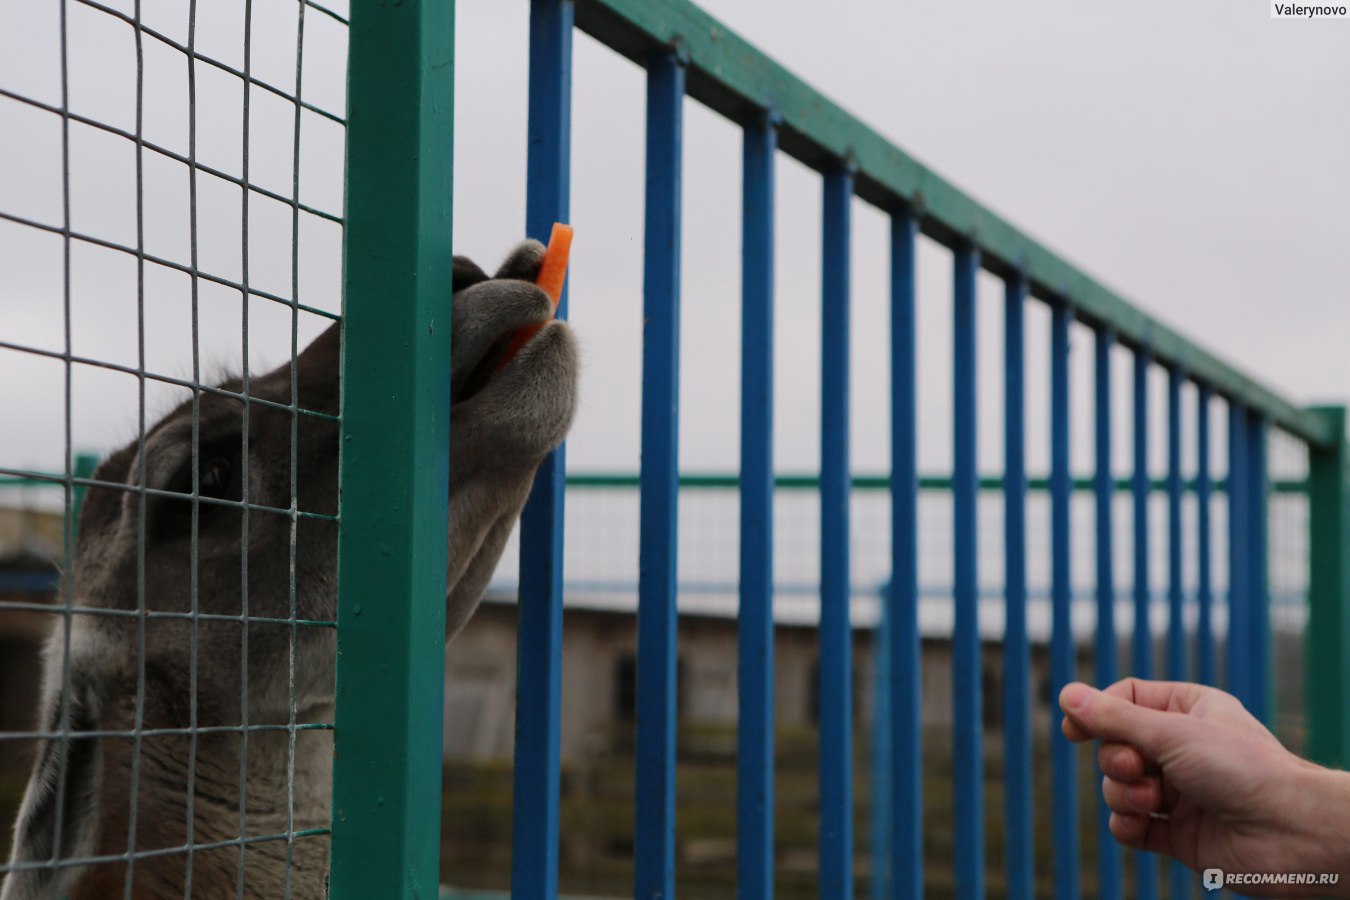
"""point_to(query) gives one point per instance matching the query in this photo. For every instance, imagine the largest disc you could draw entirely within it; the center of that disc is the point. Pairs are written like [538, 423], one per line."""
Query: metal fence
[602, 574]
[687, 53]
[224, 212]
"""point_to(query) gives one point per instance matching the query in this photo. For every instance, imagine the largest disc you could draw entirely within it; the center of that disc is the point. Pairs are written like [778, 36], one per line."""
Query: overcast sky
[1192, 155]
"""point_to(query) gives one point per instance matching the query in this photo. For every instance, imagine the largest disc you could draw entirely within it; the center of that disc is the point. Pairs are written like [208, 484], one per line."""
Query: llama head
[219, 521]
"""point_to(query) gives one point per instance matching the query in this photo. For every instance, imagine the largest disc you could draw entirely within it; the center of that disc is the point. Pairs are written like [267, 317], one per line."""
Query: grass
[596, 819]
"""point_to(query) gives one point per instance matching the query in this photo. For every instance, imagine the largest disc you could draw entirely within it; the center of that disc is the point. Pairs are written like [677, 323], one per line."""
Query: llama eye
[215, 477]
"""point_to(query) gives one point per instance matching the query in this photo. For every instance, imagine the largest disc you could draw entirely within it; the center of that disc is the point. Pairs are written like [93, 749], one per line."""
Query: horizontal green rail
[731, 76]
[794, 482]
[724, 481]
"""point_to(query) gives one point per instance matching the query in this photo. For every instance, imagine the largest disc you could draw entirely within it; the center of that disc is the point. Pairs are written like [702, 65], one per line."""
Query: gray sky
[1192, 155]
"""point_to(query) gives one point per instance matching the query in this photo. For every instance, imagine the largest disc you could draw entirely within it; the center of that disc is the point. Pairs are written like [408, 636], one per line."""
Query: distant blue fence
[686, 52]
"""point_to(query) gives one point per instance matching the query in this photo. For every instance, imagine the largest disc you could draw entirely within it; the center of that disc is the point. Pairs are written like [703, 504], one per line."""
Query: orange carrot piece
[553, 270]
[552, 274]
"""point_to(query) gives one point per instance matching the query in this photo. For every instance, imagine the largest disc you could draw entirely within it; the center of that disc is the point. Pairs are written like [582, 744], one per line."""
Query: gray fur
[500, 432]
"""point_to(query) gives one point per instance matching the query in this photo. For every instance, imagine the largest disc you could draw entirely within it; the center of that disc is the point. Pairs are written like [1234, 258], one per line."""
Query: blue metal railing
[754, 785]
[687, 53]
[534, 858]
[1109, 854]
[1017, 656]
[902, 618]
[968, 751]
[1063, 764]
[655, 844]
[836, 638]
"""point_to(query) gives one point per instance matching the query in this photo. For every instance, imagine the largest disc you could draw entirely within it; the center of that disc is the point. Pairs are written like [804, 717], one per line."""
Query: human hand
[1190, 773]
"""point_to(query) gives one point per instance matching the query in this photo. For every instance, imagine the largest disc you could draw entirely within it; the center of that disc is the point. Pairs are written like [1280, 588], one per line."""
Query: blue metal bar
[1141, 647]
[1104, 655]
[836, 639]
[882, 755]
[1063, 760]
[1141, 662]
[1258, 607]
[755, 745]
[1176, 625]
[1239, 571]
[966, 664]
[1017, 744]
[654, 871]
[1204, 589]
[1180, 876]
[906, 856]
[534, 853]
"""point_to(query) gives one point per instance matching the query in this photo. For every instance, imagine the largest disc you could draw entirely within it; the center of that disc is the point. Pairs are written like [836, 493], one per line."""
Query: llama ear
[316, 371]
[62, 791]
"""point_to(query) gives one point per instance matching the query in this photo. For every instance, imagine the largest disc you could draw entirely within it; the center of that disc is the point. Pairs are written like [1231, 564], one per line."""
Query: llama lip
[483, 370]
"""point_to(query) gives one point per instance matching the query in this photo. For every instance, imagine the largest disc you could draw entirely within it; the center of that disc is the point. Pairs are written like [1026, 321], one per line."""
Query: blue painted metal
[882, 754]
[1204, 578]
[1017, 745]
[968, 763]
[1104, 655]
[906, 856]
[1259, 684]
[1239, 571]
[1141, 663]
[1180, 877]
[755, 744]
[1176, 625]
[1063, 759]
[534, 851]
[654, 875]
[836, 637]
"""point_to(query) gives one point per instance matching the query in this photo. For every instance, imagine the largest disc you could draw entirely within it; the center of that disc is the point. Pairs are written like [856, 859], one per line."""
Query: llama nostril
[215, 477]
[483, 370]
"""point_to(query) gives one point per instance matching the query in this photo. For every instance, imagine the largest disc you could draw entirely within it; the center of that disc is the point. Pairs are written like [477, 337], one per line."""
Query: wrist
[1320, 823]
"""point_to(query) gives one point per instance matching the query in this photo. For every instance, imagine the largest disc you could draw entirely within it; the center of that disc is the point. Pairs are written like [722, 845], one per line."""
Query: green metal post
[1327, 684]
[395, 451]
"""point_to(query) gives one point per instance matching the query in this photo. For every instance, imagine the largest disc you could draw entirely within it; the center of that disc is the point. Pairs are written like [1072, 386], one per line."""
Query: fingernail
[1076, 696]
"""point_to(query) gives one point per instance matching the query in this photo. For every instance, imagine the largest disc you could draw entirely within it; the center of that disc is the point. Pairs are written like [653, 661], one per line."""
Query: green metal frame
[395, 450]
[731, 76]
[1327, 685]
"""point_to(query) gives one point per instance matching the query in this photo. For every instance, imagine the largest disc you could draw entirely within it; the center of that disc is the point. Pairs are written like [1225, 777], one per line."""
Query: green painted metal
[1327, 683]
[802, 482]
[794, 482]
[395, 446]
[731, 76]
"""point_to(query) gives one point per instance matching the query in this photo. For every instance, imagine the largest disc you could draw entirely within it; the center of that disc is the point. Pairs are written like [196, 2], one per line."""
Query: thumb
[1101, 716]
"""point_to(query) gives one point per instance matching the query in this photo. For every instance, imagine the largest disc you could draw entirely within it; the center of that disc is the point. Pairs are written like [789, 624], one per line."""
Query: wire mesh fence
[170, 237]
